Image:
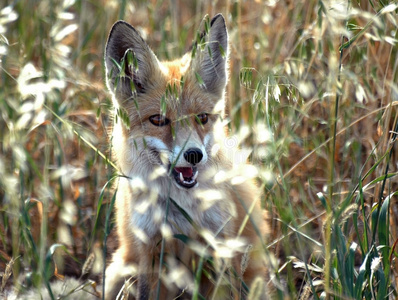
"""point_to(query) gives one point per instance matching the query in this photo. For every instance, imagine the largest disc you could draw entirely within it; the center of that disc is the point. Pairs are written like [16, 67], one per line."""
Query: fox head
[171, 107]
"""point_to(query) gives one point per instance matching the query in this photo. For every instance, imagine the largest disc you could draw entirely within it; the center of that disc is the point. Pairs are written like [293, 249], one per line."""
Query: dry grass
[319, 78]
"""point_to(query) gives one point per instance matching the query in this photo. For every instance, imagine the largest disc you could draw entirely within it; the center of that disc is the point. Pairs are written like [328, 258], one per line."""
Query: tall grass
[313, 96]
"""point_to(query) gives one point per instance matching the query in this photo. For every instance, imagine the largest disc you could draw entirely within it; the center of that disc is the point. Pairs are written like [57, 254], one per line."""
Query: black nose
[193, 155]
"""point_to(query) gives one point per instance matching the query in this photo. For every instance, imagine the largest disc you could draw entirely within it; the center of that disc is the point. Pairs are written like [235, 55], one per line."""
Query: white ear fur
[123, 38]
[211, 62]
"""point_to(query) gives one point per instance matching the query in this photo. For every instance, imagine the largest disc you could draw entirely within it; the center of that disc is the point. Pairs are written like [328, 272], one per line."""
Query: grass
[313, 96]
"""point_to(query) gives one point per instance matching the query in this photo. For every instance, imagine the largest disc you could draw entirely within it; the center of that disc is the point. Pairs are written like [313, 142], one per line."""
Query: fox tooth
[195, 176]
[181, 177]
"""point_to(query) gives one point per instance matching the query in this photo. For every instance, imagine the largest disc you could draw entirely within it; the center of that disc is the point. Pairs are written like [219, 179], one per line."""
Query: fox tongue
[186, 172]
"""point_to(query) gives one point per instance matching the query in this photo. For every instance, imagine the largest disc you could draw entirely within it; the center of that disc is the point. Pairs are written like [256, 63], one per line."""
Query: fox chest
[162, 218]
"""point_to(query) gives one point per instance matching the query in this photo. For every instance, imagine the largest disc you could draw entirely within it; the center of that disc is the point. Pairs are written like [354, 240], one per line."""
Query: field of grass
[318, 79]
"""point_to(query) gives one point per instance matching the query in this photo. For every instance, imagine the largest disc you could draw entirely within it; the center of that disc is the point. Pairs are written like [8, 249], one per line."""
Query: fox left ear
[129, 61]
[211, 62]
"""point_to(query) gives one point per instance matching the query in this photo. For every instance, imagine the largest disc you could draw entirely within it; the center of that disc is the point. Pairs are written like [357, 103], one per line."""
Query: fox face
[173, 108]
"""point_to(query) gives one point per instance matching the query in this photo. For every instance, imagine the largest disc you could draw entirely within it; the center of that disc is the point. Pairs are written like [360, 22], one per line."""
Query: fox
[189, 222]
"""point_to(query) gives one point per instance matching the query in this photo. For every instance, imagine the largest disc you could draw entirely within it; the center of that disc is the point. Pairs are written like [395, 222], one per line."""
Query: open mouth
[185, 176]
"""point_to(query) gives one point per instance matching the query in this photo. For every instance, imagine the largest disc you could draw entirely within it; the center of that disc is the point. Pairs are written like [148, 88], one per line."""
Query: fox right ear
[128, 61]
[211, 62]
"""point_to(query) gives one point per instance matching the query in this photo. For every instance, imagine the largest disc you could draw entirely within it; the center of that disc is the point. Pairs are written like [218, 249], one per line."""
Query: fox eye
[159, 120]
[202, 118]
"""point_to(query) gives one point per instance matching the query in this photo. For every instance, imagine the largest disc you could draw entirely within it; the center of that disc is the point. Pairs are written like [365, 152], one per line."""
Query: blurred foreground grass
[319, 78]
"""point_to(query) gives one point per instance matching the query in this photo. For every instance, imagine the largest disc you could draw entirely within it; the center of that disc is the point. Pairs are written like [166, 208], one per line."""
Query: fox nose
[193, 155]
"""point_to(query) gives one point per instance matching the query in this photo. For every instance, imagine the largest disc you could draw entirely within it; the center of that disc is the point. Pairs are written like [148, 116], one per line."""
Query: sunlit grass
[312, 103]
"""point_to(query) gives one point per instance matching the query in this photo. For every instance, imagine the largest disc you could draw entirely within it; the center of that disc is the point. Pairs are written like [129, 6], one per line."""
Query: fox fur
[181, 201]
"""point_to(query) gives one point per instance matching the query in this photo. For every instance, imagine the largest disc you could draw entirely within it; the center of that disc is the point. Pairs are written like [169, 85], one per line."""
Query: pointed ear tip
[118, 25]
[119, 29]
[217, 18]
[219, 15]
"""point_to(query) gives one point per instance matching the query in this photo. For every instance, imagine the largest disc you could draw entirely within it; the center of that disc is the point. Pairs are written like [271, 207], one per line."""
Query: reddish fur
[192, 100]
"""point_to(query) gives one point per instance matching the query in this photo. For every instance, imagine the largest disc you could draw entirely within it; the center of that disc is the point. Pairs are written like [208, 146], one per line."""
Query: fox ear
[211, 61]
[129, 61]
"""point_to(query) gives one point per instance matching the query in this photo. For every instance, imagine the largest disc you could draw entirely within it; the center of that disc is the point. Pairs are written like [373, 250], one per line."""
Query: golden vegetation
[313, 97]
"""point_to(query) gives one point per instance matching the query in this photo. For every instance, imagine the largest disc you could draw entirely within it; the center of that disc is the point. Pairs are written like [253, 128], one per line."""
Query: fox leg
[143, 280]
[124, 271]
[147, 270]
[143, 287]
[117, 274]
[251, 264]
